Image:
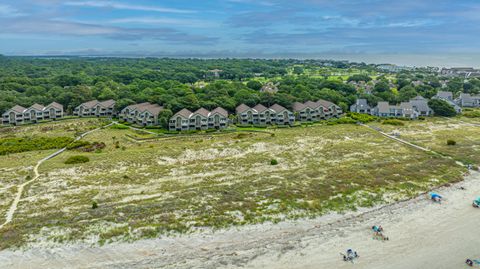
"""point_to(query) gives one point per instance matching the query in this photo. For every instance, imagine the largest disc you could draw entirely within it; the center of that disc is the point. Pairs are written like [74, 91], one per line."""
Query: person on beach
[378, 232]
[476, 203]
[436, 197]
[377, 229]
[350, 256]
[470, 262]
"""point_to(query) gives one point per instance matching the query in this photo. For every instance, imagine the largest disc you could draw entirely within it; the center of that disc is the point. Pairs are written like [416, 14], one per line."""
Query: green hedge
[16, 145]
[472, 114]
[344, 120]
[77, 159]
[393, 122]
[364, 118]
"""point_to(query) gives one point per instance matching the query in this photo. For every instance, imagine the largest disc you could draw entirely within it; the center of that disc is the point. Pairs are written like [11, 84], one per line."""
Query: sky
[406, 32]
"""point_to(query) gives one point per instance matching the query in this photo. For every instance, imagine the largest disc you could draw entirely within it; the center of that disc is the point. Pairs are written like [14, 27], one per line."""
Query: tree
[381, 86]
[298, 70]
[406, 93]
[442, 108]
[254, 85]
[164, 117]
[359, 77]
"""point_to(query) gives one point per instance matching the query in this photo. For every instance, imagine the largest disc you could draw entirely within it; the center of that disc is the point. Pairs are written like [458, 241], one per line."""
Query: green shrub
[422, 118]
[119, 126]
[364, 118]
[472, 114]
[77, 144]
[17, 145]
[451, 142]
[77, 159]
[94, 205]
[273, 162]
[393, 122]
[344, 120]
[87, 146]
[442, 108]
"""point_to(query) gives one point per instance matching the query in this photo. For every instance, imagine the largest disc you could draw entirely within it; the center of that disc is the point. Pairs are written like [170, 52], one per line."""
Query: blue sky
[398, 31]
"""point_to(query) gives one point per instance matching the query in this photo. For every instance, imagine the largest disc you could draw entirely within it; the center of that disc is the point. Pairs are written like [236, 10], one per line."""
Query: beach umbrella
[477, 201]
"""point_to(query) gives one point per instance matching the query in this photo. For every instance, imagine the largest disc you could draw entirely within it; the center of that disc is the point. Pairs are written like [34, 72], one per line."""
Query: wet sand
[422, 235]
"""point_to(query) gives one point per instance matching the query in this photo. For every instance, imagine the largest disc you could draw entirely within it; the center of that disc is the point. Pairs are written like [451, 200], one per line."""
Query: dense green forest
[193, 83]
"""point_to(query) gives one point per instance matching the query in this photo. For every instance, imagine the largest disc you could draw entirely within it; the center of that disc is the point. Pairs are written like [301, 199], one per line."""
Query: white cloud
[162, 21]
[117, 5]
[8, 11]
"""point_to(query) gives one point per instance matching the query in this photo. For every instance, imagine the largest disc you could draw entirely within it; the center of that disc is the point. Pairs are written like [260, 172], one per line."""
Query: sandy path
[36, 175]
[423, 235]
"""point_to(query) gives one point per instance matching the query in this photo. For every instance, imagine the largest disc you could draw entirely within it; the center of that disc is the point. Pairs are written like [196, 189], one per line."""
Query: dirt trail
[21, 187]
[422, 235]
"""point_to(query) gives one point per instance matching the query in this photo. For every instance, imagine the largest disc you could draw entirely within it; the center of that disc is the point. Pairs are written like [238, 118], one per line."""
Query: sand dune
[422, 235]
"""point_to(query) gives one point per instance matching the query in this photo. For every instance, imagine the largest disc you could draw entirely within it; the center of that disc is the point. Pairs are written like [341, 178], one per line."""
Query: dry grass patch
[167, 186]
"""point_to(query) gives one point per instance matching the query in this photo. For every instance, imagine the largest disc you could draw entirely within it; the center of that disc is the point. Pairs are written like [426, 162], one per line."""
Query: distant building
[96, 108]
[144, 114]
[270, 88]
[465, 72]
[14, 115]
[282, 116]
[448, 97]
[201, 119]
[361, 106]
[261, 115]
[468, 100]
[246, 115]
[420, 104]
[404, 110]
[394, 68]
[19, 115]
[315, 111]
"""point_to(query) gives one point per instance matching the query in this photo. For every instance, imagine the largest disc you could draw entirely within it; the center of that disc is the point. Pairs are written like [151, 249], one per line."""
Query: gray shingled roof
[201, 111]
[154, 109]
[90, 104]
[325, 103]
[37, 107]
[260, 108]
[242, 108]
[108, 103]
[55, 105]
[220, 111]
[311, 104]
[277, 108]
[18, 109]
[445, 95]
[406, 106]
[298, 106]
[420, 104]
[362, 103]
[383, 107]
[183, 113]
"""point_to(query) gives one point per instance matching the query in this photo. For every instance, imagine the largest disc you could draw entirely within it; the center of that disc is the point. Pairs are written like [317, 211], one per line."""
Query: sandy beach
[422, 235]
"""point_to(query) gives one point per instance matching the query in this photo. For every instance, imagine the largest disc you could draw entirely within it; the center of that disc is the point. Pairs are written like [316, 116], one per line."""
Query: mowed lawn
[434, 133]
[162, 186]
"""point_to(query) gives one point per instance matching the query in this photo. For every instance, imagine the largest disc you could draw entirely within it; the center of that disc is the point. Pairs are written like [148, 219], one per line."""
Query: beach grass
[154, 187]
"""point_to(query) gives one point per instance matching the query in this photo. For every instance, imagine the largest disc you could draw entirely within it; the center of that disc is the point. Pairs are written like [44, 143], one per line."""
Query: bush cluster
[451, 142]
[393, 122]
[472, 114]
[16, 145]
[364, 118]
[344, 120]
[77, 159]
